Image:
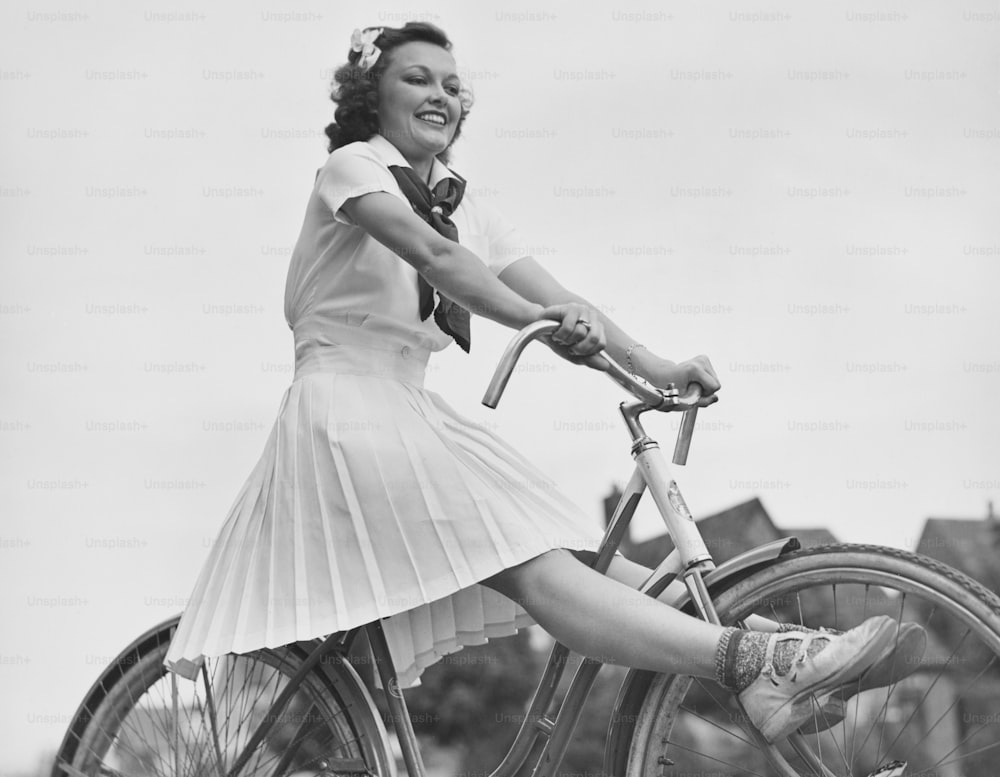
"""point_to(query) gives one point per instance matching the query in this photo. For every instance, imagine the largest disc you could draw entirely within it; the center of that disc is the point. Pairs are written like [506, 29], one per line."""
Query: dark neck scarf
[435, 207]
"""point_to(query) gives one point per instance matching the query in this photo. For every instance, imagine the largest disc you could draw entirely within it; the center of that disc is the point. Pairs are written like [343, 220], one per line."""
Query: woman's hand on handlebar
[581, 334]
[698, 370]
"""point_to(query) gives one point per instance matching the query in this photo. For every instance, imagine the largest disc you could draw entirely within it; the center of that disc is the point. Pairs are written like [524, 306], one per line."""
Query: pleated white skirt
[373, 499]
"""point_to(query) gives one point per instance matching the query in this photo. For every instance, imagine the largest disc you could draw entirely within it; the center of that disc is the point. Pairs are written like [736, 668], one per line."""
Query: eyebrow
[427, 70]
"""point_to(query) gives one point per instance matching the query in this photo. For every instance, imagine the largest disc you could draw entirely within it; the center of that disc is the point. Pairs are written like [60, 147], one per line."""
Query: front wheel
[139, 720]
[941, 720]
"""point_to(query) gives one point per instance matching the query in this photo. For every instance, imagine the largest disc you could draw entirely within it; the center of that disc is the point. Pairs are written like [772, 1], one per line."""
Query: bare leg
[600, 617]
[634, 575]
[611, 621]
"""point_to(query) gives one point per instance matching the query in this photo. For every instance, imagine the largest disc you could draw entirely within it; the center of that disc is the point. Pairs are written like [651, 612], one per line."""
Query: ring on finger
[583, 322]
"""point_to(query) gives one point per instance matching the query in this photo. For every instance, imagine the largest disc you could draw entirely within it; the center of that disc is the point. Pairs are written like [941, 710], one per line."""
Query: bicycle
[304, 710]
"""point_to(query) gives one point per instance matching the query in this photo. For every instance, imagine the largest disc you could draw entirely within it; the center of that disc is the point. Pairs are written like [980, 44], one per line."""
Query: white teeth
[431, 117]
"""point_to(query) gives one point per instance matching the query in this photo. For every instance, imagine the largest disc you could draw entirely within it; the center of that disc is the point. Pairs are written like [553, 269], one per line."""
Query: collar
[392, 156]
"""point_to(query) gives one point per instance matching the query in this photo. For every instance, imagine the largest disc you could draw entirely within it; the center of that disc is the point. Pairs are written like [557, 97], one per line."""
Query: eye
[453, 89]
[416, 80]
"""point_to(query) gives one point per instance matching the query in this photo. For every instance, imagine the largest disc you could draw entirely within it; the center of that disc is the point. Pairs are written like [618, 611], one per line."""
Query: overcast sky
[806, 193]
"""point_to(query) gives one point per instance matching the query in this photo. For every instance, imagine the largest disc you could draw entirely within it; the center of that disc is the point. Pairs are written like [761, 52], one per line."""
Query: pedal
[891, 769]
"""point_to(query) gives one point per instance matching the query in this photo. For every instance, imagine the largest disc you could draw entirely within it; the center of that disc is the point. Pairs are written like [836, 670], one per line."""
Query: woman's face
[418, 105]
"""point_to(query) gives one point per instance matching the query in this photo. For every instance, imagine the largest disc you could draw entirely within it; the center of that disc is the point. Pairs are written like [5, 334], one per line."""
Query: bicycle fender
[625, 712]
[340, 673]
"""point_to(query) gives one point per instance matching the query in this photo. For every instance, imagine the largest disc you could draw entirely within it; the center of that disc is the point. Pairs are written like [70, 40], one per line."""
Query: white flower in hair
[365, 43]
[465, 97]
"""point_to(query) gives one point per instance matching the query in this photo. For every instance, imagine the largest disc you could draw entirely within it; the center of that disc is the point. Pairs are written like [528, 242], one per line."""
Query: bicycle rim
[941, 720]
[151, 723]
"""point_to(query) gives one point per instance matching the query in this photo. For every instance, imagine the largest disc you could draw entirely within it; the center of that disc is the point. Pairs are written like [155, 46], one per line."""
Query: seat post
[394, 698]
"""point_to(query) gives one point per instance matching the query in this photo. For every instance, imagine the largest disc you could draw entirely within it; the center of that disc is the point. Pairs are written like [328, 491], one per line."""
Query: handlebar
[649, 394]
[664, 400]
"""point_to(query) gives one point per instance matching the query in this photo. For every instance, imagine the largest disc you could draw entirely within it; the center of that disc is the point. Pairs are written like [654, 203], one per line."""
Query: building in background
[970, 545]
[727, 533]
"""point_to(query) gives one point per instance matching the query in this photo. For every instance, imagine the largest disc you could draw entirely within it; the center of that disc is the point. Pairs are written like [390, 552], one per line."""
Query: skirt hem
[188, 667]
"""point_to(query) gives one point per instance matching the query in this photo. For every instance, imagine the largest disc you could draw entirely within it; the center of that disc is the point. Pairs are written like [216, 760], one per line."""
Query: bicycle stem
[651, 462]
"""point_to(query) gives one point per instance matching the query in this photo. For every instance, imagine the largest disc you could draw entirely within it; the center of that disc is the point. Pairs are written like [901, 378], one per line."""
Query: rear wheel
[941, 720]
[139, 720]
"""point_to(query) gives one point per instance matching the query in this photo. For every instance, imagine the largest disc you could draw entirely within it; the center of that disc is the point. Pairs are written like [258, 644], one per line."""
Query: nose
[438, 95]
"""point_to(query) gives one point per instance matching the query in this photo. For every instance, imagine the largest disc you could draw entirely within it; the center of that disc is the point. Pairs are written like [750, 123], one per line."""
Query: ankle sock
[740, 656]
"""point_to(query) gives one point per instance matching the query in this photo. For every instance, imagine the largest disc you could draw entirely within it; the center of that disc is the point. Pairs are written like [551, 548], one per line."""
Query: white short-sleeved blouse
[340, 275]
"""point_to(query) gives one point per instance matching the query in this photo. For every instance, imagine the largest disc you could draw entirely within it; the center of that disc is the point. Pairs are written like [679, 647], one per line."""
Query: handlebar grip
[495, 390]
[684, 436]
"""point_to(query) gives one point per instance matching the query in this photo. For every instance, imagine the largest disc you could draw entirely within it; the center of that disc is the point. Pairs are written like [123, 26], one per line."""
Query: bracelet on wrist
[628, 357]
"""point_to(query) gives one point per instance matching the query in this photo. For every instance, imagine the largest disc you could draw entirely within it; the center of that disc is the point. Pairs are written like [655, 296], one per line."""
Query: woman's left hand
[662, 372]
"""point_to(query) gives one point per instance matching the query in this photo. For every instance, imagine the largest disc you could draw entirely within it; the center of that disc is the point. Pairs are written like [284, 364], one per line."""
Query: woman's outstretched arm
[524, 293]
[533, 282]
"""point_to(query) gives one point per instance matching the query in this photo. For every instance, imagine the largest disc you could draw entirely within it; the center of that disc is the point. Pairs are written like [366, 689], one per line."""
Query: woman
[374, 499]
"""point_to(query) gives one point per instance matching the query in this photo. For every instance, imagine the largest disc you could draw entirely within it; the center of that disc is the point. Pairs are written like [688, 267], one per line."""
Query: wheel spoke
[892, 686]
[742, 722]
[803, 745]
[209, 724]
[716, 724]
[882, 714]
[163, 727]
[955, 701]
[977, 751]
[740, 769]
[919, 704]
[715, 699]
[814, 762]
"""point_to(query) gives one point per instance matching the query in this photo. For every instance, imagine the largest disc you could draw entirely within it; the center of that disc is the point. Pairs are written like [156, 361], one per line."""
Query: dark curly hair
[355, 91]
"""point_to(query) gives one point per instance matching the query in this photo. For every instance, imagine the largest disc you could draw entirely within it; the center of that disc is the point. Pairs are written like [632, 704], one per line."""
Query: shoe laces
[805, 639]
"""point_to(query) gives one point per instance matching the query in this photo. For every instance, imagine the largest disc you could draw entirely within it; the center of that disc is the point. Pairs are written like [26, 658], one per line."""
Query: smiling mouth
[437, 119]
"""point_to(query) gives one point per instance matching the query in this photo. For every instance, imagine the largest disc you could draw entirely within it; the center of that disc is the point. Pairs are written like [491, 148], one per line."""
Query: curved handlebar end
[509, 358]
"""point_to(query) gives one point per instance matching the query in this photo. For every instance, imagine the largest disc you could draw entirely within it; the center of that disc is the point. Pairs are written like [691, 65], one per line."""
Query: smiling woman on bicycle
[374, 499]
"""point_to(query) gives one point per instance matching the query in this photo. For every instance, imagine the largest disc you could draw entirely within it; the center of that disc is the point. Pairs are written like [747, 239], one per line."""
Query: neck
[422, 164]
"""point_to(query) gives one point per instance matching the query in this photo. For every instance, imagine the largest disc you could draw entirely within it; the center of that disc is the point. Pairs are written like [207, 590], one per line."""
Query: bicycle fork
[691, 560]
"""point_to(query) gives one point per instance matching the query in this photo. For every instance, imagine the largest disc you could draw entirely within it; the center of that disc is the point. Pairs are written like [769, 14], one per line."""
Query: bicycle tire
[139, 720]
[941, 720]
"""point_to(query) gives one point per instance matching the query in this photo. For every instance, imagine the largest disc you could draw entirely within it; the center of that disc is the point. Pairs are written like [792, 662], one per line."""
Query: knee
[518, 582]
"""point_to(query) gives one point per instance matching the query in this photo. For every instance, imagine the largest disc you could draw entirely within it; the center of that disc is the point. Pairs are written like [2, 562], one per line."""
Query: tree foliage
[475, 699]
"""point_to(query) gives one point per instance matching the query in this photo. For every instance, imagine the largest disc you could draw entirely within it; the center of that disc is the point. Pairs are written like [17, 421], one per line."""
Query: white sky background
[809, 198]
